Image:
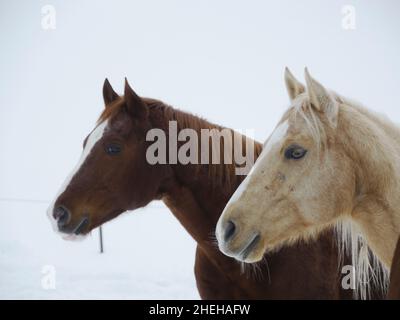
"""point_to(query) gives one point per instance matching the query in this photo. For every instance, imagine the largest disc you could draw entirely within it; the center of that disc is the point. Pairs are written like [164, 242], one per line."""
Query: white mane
[369, 271]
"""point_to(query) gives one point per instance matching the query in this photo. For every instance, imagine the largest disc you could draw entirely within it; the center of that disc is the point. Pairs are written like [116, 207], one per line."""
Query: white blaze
[276, 137]
[95, 136]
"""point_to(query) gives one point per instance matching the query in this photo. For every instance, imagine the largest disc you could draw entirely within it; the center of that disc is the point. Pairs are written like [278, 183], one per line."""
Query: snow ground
[148, 255]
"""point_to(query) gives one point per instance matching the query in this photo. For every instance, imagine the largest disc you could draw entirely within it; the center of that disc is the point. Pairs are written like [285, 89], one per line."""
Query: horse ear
[109, 95]
[321, 99]
[134, 103]
[293, 86]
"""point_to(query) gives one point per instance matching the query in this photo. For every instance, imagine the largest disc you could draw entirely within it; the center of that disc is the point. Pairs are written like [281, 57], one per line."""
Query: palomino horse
[329, 162]
[113, 176]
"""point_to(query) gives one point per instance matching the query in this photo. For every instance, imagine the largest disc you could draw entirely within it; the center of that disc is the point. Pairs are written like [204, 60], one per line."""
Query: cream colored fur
[348, 179]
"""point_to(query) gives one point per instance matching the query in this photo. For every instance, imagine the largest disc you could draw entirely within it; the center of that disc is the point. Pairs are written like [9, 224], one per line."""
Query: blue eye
[295, 152]
[113, 149]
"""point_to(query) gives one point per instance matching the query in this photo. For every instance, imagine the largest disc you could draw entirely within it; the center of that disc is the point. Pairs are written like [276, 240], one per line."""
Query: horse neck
[196, 195]
[373, 144]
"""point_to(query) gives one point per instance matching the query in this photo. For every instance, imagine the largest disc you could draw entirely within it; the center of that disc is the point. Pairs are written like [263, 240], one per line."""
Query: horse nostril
[229, 230]
[62, 215]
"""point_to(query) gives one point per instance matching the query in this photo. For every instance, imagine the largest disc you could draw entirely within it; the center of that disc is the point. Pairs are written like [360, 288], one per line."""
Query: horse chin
[70, 236]
[65, 236]
[251, 252]
[256, 255]
[253, 257]
[73, 237]
[262, 248]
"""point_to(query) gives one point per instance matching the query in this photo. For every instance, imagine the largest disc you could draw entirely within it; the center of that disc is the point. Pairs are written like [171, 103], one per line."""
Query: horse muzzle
[66, 224]
[233, 244]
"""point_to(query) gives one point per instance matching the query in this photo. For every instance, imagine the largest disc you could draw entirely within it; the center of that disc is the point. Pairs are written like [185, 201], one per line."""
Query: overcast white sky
[223, 60]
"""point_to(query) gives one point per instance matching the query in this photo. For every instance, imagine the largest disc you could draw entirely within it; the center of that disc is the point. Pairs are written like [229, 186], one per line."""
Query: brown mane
[221, 175]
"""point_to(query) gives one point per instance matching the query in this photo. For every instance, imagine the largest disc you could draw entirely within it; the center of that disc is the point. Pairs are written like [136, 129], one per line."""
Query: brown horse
[394, 287]
[113, 176]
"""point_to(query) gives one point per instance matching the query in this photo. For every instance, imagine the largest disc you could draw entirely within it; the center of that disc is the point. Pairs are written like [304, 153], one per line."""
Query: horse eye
[113, 149]
[295, 152]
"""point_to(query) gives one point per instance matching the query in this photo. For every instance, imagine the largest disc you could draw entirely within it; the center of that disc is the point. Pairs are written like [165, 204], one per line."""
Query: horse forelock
[302, 107]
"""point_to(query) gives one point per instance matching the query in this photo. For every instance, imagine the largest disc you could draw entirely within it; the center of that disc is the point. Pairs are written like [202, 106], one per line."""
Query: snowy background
[220, 59]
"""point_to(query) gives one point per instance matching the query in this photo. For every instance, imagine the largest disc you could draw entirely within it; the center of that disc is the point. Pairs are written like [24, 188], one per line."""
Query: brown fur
[222, 174]
[196, 194]
[394, 288]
